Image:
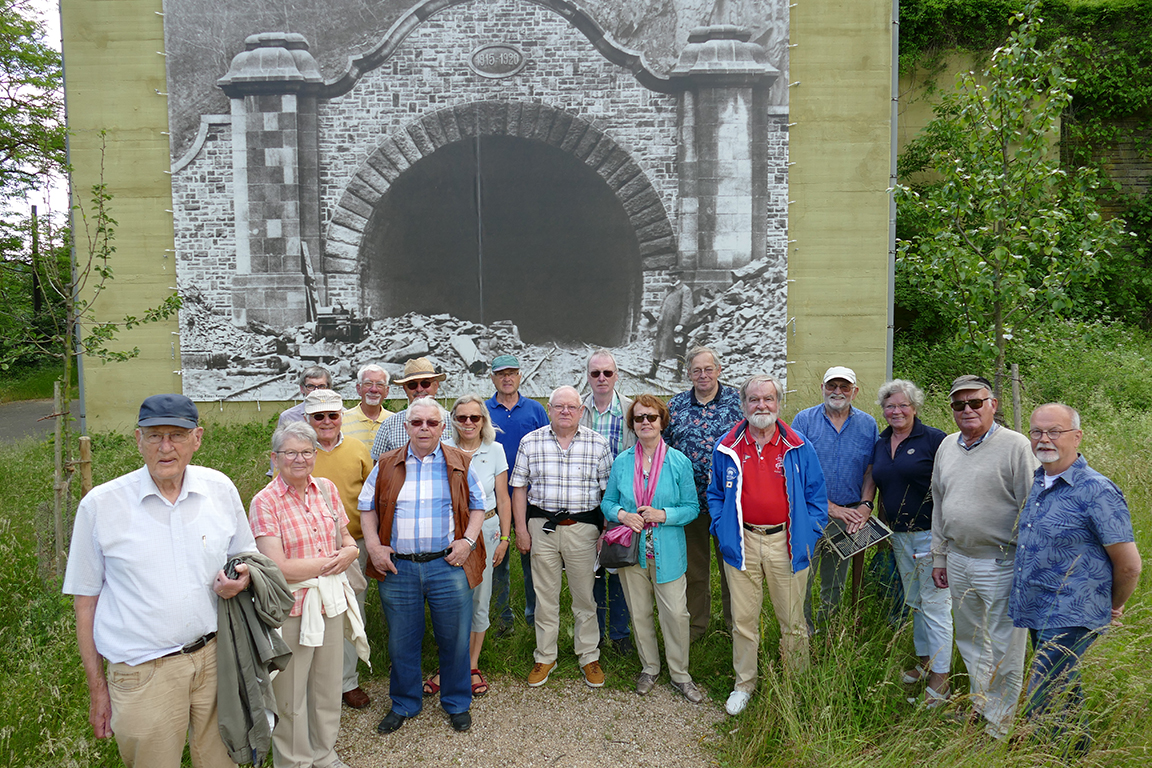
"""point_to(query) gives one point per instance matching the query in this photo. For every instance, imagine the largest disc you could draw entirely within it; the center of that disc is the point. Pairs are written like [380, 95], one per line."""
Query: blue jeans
[500, 586]
[1057, 651]
[610, 604]
[402, 595]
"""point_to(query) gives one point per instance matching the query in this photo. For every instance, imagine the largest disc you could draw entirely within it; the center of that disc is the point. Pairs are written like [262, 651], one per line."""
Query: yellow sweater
[347, 465]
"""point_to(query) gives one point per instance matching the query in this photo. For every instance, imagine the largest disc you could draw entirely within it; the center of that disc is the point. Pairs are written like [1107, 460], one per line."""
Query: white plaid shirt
[559, 480]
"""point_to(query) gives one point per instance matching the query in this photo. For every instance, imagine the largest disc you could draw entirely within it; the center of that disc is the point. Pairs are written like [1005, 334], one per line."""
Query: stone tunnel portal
[505, 228]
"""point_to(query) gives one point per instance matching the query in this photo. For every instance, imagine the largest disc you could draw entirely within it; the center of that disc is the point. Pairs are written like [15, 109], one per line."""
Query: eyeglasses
[323, 415]
[898, 407]
[293, 455]
[598, 374]
[651, 418]
[412, 386]
[374, 385]
[432, 423]
[507, 373]
[314, 387]
[1053, 434]
[565, 408]
[698, 372]
[473, 418]
[976, 403]
[832, 387]
[176, 438]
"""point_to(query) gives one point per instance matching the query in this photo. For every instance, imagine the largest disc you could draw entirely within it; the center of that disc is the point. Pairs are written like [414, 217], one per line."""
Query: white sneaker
[736, 702]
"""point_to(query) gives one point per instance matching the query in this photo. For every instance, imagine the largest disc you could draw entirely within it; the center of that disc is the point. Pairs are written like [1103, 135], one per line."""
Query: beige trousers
[308, 698]
[639, 586]
[570, 548]
[766, 560]
[160, 703]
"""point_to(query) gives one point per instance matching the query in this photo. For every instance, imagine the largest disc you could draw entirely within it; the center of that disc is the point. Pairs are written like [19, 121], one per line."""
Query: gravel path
[563, 723]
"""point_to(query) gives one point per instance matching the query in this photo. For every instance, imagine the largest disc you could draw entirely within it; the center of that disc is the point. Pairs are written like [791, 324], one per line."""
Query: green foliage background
[1110, 57]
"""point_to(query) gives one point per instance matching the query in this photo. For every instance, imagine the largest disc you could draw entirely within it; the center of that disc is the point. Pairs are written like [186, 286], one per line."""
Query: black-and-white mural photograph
[361, 181]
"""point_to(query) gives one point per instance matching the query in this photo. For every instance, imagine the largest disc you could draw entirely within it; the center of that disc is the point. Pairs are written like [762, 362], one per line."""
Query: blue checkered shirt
[844, 455]
[390, 436]
[423, 521]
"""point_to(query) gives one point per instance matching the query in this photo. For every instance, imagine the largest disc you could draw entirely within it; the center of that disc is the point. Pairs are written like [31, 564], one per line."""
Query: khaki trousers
[570, 548]
[766, 559]
[639, 586]
[159, 704]
[308, 698]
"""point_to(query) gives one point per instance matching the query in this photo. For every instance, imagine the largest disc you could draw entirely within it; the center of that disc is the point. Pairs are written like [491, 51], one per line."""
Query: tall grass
[849, 709]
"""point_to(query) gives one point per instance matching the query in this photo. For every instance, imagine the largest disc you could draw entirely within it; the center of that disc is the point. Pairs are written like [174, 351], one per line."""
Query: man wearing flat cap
[420, 379]
[146, 569]
[980, 481]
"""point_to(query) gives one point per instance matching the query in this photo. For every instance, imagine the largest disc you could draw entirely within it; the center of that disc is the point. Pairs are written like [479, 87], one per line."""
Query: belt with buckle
[193, 646]
[490, 513]
[422, 557]
[764, 530]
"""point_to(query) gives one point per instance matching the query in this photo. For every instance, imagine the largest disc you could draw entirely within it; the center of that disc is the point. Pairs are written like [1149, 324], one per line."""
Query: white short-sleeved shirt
[488, 461]
[152, 562]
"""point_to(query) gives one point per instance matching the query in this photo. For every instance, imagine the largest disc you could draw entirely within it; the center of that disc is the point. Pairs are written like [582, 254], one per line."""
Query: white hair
[425, 402]
[372, 368]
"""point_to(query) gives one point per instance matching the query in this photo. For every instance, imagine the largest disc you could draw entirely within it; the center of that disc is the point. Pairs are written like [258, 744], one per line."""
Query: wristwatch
[471, 542]
[869, 504]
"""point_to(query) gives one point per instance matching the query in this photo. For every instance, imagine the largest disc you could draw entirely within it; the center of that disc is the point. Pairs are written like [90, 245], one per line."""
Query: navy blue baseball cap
[168, 410]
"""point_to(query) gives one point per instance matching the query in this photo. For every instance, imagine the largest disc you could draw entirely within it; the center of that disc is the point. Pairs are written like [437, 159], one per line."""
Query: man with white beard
[768, 506]
[1076, 566]
[843, 437]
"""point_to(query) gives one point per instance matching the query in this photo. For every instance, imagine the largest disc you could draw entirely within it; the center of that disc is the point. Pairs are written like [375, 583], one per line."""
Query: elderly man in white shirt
[146, 568]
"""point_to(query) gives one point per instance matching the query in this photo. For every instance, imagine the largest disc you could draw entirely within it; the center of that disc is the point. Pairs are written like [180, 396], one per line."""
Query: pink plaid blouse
[307, 527]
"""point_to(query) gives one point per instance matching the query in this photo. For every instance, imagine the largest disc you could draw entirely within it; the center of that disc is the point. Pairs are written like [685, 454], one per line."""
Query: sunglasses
[412, 386]
[975, 404]
[598, 374]
[473, 418]
[651, 418]
[329, 415]
[432, 423]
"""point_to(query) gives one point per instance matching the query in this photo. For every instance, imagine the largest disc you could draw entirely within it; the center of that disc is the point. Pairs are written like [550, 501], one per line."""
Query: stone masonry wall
[204, 221]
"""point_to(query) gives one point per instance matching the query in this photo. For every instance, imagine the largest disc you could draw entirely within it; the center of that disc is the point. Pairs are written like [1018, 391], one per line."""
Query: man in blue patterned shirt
[700, 417]
[1076, 561]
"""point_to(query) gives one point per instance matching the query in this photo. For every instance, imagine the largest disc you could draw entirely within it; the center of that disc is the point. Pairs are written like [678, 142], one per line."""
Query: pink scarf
[641, 490]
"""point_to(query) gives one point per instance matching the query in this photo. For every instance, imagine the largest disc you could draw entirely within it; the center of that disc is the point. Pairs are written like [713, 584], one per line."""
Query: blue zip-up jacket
[803, 481]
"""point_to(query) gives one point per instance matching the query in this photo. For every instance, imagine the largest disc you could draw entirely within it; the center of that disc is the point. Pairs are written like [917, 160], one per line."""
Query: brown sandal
[480, 688]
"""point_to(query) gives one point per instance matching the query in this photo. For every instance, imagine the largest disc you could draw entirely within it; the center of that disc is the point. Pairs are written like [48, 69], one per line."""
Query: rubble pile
[745, 324]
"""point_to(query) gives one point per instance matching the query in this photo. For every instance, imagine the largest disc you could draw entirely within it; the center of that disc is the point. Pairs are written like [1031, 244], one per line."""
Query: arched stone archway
[597, 218]
[537, 122]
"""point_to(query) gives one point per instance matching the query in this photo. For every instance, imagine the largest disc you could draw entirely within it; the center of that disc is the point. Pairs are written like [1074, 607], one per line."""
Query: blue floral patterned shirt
[693, 429]
[1063, 574]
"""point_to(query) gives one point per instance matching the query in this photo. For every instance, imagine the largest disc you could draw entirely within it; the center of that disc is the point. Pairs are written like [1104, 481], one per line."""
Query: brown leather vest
[389, 481]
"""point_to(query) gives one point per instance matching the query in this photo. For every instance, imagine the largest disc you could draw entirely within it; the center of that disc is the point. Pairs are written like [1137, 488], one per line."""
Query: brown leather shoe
[356, 698]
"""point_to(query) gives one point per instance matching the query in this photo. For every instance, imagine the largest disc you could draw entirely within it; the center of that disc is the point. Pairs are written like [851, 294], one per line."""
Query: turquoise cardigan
[675, 494]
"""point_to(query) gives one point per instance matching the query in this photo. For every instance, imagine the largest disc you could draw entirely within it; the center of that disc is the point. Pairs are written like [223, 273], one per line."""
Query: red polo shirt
[764, 495]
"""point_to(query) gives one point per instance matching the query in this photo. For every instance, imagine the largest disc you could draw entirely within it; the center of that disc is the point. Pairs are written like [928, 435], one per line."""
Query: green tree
[31, 158]
[1002, 230]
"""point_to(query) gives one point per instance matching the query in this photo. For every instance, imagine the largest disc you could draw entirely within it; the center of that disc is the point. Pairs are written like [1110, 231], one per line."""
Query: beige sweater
[977, 495]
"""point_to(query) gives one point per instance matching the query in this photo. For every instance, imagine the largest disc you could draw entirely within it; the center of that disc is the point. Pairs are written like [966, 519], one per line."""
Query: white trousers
[992, 649]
